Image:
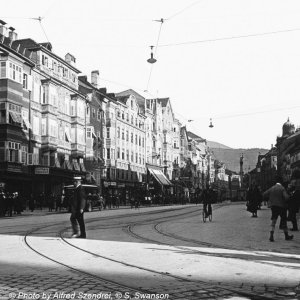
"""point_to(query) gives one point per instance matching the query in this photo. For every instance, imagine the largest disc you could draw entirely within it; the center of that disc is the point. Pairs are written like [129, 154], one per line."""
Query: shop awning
[159, 176]
[27, 124]
[15, 117]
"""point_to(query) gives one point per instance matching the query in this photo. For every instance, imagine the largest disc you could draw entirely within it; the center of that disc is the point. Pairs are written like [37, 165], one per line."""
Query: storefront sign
[108, 183]
[41, 171]
[16, 169]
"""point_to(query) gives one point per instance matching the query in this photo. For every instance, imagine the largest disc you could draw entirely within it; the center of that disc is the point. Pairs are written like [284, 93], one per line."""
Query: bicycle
[207, 213]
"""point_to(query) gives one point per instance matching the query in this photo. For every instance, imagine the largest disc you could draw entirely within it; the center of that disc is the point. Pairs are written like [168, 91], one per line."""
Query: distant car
[94, 200]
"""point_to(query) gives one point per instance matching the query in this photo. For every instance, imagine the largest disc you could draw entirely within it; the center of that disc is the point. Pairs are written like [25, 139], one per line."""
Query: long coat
[78, 201]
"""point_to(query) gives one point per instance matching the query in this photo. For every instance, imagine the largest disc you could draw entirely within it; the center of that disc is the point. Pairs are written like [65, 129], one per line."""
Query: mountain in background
[212, 144]
[231, 157]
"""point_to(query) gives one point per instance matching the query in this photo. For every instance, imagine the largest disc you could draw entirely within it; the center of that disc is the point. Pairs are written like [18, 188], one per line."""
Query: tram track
[129, 230]
[41, 230]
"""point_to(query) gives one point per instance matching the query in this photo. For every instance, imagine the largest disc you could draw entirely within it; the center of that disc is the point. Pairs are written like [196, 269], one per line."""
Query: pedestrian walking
[253, 198]
[31, 204]
[78, 204]
[277, 199]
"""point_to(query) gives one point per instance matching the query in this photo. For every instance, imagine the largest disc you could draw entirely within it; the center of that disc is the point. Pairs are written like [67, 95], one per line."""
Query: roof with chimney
[7, 44]
[31, 45]
[86, 87]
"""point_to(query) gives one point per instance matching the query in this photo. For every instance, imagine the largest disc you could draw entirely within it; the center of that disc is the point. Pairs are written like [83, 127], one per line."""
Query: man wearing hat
[78, 204]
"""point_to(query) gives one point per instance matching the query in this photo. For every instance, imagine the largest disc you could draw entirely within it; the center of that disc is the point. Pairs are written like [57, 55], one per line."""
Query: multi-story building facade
[288, 151]
[42, 101]
[130, 142]
[95, 122]
[167, 135]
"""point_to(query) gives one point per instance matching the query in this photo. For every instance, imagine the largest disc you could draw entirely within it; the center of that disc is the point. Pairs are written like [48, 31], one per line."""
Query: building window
[118, 132]
[132, 120]
[139, 141]
[108, 153]
[127, 136]
[123, 135]
[3, 69]
[136, 158]
[143, 142]
[99, 114]
[122, 115]
[131, 137]
[89, 133]
[94, 113]
[108, 133]
[118, 152]
[136, 139]
[140, 160]
[127, 155]
[25, 81]
[15, 73]
[127, 117]
[123, 154]
[132, 156]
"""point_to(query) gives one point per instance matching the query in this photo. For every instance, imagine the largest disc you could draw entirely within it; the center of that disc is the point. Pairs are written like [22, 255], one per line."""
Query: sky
[236, 62]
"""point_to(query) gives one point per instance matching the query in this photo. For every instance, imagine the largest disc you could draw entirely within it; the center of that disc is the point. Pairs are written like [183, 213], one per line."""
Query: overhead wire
[155, 52]
[183, 10]
[231, 37]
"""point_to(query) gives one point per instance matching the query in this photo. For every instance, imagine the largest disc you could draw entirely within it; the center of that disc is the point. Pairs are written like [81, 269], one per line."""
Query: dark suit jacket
[79, 200]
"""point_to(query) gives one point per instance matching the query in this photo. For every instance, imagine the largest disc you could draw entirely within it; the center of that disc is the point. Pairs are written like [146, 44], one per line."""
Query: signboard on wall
[41, 171]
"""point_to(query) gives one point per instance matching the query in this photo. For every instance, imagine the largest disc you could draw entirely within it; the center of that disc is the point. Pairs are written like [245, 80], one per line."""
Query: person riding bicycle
[207, 201]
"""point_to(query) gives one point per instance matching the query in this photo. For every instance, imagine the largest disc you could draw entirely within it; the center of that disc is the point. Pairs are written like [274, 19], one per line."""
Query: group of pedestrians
[10, 203]
[283, 201]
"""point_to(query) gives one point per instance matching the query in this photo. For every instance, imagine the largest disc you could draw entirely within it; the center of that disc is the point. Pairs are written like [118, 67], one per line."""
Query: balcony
[47, 108]
[49, 143]
[77, 120]
[65, 145]
[36, 106]
[77, 149]
[37, 138]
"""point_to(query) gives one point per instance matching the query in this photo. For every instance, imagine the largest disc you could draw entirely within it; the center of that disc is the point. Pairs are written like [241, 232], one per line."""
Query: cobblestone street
[107, 264]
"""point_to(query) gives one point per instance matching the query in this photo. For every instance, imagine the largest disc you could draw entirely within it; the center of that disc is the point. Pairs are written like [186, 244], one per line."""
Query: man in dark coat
[78, 203]
[278, 199]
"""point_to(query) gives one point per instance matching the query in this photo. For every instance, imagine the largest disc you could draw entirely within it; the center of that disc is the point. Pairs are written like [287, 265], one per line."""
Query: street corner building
[42, 117]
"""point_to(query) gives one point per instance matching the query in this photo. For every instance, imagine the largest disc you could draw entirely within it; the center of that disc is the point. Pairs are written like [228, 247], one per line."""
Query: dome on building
[288, 128]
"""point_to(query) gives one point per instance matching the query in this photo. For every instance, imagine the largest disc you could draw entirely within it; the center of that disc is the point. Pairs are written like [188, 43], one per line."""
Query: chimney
[70, 59]
[12, 34]
[3, 29]
[95, 78]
